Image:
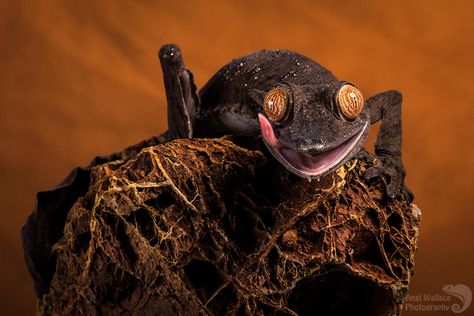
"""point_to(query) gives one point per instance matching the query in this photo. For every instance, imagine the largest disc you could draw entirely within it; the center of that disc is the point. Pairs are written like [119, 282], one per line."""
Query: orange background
[81, 78]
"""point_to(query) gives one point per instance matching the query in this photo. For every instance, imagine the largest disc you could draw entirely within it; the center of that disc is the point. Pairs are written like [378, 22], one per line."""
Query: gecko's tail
[181, 94]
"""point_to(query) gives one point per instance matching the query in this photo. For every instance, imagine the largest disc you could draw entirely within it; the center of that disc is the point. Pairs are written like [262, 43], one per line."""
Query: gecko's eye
[276, 104]
[349, 101]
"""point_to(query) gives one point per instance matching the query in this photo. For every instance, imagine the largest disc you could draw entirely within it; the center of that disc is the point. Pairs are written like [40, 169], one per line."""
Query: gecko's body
[311, 122]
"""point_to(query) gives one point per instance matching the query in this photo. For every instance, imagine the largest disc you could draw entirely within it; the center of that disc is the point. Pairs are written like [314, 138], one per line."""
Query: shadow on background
[81, 79]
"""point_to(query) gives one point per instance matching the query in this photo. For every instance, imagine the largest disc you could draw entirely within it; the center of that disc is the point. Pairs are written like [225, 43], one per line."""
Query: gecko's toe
[392, 189]
[397, 190]
[407, 194]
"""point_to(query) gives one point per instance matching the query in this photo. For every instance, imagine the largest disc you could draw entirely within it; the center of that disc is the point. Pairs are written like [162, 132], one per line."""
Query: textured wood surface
[81, 79]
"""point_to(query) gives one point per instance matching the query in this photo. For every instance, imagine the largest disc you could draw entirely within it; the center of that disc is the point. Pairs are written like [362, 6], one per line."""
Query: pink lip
[306, 164]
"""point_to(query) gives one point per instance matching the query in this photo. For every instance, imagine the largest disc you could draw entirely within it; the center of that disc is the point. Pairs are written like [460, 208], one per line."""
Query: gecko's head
[313, 129]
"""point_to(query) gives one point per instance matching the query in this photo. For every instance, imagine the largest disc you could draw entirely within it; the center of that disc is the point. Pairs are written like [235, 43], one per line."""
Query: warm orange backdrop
[82, 78]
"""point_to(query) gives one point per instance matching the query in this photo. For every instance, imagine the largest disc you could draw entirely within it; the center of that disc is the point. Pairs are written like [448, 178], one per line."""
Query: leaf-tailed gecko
[310, 121]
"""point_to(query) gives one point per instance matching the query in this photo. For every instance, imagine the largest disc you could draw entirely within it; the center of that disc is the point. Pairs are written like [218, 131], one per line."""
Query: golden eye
[275, 104]
[350, 101]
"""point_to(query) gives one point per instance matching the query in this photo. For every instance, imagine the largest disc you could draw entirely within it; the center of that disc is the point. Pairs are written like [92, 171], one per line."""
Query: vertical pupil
[353, 100]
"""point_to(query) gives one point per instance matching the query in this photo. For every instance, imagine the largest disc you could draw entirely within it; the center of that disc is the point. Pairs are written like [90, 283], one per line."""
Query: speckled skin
[232, 99]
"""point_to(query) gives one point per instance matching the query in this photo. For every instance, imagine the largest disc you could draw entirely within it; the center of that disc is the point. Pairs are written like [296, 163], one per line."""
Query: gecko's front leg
[386, 106]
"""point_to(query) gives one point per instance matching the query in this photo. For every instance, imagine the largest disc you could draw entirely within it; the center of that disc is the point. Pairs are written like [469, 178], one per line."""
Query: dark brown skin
[313, 140]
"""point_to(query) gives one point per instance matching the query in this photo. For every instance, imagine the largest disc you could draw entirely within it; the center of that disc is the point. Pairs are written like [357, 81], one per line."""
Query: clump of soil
[217, 226]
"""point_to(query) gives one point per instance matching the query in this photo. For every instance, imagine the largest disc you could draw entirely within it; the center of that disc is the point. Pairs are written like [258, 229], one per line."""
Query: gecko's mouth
[309, 165]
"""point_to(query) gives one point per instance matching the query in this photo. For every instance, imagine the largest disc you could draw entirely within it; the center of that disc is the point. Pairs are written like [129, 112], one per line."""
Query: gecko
[311, 122]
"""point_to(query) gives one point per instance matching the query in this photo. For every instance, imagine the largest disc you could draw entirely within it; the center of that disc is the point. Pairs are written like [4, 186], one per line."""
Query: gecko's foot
[390, 171]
